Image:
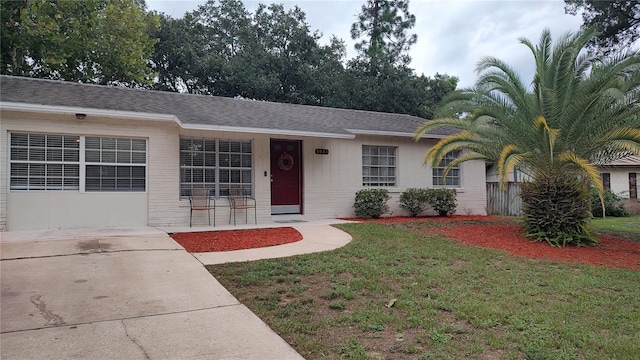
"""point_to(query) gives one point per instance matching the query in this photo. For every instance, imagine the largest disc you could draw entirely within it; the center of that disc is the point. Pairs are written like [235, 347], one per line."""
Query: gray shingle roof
[195, 110]
[631, 160]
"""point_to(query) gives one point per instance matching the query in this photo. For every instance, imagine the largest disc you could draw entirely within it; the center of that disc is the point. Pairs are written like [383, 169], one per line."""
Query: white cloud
[452, 35]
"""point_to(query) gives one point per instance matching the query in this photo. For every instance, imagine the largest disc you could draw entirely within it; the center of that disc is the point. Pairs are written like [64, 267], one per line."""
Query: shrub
[443, 201]
[414, 201]
[371, 202]
[613, 205]
[557, 210]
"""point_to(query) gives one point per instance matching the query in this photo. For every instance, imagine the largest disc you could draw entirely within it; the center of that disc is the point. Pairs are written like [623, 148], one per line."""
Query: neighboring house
[621, 178]
[77, 155]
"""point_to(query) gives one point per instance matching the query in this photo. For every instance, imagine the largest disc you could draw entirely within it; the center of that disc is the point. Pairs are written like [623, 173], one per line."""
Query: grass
[451, 301]
[628, 227]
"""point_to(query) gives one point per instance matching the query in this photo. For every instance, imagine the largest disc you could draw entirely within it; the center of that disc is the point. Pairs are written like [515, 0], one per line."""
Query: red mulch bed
[611, 252]
[396, 219]
[208, 241]
[493, 233]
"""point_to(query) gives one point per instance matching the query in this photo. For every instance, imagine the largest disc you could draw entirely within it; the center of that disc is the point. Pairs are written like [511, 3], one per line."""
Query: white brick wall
[329, 181]
[4, 166]
[53, 209]
[620, 179]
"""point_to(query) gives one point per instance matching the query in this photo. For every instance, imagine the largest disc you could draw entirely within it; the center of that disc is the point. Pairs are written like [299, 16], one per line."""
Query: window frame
[605, 177]
[224, 158]
[81, 162]
[382, 167]
[45, 163]
[124, 157]
[454, 174]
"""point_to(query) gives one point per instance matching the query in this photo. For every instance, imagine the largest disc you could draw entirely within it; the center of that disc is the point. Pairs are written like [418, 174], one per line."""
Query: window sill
[184, 202]
[397, 190]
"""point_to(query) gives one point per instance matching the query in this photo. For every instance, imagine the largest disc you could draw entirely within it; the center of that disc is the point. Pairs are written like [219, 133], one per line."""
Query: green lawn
[450, 301]
[629, 225]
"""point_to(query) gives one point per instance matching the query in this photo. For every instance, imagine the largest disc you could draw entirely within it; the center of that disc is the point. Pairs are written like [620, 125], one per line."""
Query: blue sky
[452, 35]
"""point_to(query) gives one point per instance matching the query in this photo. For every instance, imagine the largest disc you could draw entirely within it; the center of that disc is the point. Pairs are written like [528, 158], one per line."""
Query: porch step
[288, 218]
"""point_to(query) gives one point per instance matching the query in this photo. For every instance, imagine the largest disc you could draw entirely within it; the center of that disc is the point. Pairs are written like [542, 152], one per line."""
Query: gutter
[393, 133]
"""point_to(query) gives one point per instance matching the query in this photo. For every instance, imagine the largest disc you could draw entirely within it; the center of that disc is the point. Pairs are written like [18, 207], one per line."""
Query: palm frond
[550, 135]
[582, 165]
[431, 125]
[461, 159]
[502, 81]
[626, 145]
[510, 157]
[625, 139]
[588, 169]
[452, 142]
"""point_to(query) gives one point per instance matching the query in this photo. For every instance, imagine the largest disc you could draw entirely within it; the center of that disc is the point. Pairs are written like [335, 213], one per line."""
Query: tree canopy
[618, 21]
[94, 41]
[382, 27]
[272, 54]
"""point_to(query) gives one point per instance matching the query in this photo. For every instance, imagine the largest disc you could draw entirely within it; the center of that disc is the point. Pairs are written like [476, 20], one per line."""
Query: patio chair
[240, 200]
[200, 199]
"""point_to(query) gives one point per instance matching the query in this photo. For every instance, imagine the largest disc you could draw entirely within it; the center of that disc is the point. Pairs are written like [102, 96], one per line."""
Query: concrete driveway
[128, 295]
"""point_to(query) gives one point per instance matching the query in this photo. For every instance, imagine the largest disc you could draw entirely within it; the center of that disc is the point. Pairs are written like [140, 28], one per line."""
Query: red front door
[286, 177]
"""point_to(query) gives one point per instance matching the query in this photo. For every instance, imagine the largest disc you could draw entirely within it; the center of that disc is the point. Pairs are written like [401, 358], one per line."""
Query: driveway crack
[126, 331]
[52, 319]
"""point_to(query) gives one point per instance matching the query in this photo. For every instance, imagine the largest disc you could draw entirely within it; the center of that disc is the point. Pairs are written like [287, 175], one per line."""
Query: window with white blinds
[215, 164]
[44, 162]
[53, 162]
[115, 164]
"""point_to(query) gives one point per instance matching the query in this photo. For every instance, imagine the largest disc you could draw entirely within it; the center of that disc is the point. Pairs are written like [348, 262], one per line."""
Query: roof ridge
[73, 83]
[207, 111]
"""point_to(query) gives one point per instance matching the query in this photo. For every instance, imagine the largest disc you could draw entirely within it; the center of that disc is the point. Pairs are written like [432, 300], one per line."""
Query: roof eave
[255, 130]
[134, 115]
[606, 166]
[72, 110]
[393, 133]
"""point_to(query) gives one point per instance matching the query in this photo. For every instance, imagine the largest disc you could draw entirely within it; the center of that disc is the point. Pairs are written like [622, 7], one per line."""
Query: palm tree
[578, 112]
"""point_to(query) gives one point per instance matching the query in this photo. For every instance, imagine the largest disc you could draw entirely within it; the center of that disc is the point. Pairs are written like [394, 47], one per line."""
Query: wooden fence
[505, 201]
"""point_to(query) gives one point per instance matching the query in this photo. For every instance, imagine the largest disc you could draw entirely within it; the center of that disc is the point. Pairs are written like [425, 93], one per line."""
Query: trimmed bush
[371, 202]
[557, 210]
[613, 205]
[443, 201]
[414, 201]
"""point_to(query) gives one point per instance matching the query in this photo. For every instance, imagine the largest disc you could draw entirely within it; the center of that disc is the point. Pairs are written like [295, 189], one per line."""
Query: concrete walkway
[132, 294]
[315, 238]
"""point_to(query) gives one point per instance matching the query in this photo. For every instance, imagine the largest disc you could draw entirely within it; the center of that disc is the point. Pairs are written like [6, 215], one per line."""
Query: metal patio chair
[239, 199]
[200, 199]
